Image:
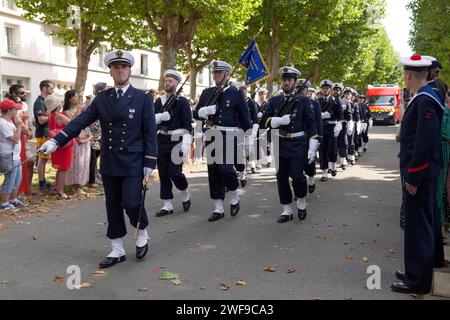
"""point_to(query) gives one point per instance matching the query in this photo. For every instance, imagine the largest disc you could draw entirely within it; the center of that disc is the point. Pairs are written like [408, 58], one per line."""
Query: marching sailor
[172, 125]
[128, 151]
[331, 115]
[226, 116]
[294, 129]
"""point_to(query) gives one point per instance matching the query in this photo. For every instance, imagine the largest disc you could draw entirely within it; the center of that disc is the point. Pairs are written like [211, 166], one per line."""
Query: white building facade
[30, 54]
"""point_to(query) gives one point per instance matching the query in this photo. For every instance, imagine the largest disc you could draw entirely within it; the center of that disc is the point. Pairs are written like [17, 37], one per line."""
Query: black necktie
[119, 94]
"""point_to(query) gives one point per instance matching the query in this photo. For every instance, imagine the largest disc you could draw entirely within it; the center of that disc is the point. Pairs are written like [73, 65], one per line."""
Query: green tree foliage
[430, 33]
[99, 21]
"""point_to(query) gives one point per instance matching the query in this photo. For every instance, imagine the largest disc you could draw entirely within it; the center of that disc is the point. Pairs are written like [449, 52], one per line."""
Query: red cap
[9, 104]
[416, 57]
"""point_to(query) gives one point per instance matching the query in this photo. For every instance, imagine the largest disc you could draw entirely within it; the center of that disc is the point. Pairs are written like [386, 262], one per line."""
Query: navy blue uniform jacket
[128, 140]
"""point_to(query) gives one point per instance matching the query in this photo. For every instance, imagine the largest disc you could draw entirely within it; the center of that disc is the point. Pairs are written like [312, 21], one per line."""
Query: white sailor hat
[243, 85]
[339, 86]
[289, 72]
[263, 90]
[119, 56]
[326, 83]
[434, 63]
[305, 82]
[311, 89]
[218, 65]
[347, 90]
[231, 83]
[416, 63]
[174, 74]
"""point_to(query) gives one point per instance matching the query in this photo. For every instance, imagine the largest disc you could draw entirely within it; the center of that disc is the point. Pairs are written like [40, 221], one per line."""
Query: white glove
[286, 119]
[350, 127]
[260, 114]
[255, 130]
[207, 111]
[186, 144]
[370, 123]
[160, 117]
[364, 127]
[313, 145]
[49, 146]
[147, 173]
[326, 115]
[337, 129]
[358, 127]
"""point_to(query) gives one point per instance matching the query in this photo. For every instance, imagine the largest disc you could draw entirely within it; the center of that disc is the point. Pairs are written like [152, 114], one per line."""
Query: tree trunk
[83, 58]
[193, 83]
[273, 56]
[168, 59]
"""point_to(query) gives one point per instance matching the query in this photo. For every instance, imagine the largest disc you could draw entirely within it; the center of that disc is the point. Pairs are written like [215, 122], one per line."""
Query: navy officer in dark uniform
[293, 130]
[173, 125]
[310, 167]
[420, 165]
[128, 151]
[331, 115]
[227, 116]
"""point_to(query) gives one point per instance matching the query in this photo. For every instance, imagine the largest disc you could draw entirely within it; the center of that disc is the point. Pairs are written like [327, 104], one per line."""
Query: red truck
[383, 102]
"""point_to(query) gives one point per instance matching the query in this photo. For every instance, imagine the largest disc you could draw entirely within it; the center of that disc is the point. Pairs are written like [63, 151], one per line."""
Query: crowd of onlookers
[75, 163]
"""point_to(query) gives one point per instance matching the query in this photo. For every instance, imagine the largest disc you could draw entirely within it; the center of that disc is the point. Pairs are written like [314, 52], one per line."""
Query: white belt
[177, 131]
[232, 129]
[330, 122]
[293, 135]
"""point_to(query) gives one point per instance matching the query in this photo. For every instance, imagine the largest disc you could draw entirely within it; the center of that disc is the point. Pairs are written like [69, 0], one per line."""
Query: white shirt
[124, 89]
[7, 130]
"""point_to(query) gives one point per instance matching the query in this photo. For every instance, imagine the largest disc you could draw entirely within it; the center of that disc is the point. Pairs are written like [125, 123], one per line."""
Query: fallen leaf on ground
[58, 279]
[171, 231]
[2, 226]
[224, 287]
[99, 273]
[291, 270]
[417, 296]
[365, 259]
[349, 257]
[269, 269]
[35, 237]
[169, 276]
[101, 223]
[202, 288]
[142, 290]
[176, 282]
[241, 283]
[316, 298]
[4, 282]
[83, 285]
[333, 238]
[391, 251]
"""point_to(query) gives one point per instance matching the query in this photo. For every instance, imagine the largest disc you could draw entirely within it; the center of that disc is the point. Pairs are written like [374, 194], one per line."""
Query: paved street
[354, 215]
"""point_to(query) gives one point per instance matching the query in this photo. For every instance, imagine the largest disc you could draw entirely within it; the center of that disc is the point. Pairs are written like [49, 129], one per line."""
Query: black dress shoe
[352, 162]
[301, 214]
[187, 205]
[323, 179]
[334, 173]
[344, 167]
[234, 209]
[400, 275]
[243, 183]
[109, 262]
[268, 164]
[329, 171]
[163, 212]
[312, 188]
[216, 216]
[253, 170]
[401, 287]
[284, 218]
[365, 150]
[141, 251]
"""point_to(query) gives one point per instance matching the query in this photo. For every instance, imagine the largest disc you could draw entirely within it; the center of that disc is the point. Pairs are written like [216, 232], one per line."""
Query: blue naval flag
[253, 61]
